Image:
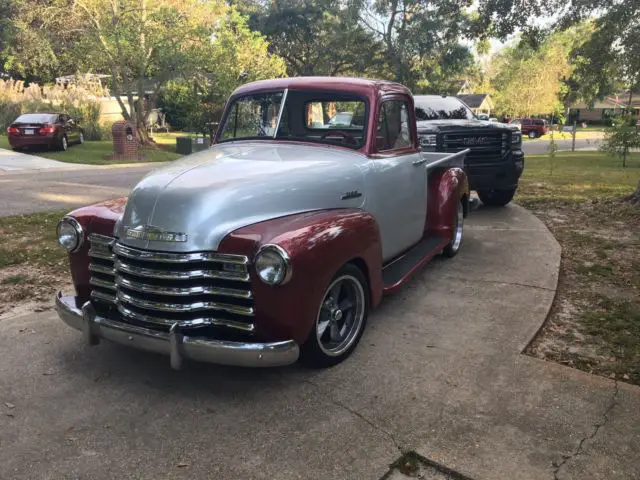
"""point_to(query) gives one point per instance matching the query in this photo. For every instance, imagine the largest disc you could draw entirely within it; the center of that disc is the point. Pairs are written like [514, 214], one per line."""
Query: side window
[393, 132]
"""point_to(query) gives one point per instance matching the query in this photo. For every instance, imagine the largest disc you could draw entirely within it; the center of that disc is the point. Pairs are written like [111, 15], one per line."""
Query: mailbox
[125, 141]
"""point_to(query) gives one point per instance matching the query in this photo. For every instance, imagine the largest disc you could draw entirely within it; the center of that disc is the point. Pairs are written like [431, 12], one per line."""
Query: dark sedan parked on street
[51, 130]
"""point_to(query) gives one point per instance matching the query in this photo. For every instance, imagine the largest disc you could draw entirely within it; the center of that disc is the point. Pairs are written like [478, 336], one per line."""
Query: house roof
[474, 100]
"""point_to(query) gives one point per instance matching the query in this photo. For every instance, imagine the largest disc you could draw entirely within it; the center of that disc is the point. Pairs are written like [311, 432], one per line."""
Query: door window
[393, 132]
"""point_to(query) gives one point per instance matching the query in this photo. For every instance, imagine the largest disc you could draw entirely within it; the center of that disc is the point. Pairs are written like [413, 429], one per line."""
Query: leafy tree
[622, 136]
[316, 37]
[421, 39]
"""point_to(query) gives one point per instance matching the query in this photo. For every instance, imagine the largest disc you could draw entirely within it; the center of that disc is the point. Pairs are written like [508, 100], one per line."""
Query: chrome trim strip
[245, 354]
[180, 292]
[106, 255]
[96, 282]
[98, 295]
[182, 307]
[282, 105]
[164, 257]
[94, 267]
[96, 238]
[219, 322]
[179, 275]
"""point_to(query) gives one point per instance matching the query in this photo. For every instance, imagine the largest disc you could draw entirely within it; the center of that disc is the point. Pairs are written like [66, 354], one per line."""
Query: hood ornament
[154, 234]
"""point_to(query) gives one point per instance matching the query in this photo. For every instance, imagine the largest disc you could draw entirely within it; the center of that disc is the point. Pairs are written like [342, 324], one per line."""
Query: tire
[63, 144]
[496, 198]
[454, 245]
[81, 140]
[532, 134]
[327, 343]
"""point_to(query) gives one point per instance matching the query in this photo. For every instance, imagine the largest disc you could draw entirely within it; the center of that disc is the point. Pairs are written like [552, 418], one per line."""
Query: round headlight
[273, 265]
[70, 234]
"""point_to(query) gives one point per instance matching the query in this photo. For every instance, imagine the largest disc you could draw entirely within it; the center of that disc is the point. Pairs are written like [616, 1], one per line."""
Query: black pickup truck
[495, 161]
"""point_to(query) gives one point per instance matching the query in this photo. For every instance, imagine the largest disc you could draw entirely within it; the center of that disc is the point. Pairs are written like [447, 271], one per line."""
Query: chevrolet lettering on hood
[300, 217]
[154, 234]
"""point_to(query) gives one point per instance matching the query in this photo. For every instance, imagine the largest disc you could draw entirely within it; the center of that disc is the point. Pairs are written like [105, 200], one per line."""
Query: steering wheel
[340, 133]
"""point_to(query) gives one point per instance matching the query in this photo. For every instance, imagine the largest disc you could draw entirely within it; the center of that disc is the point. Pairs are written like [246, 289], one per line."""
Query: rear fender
[319, 244]
[446, 187]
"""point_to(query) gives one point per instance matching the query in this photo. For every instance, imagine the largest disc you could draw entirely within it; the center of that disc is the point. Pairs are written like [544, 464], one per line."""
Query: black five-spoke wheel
[341, 318]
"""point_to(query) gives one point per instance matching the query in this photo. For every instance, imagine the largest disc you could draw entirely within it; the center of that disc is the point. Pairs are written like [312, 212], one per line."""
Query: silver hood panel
[214, 192]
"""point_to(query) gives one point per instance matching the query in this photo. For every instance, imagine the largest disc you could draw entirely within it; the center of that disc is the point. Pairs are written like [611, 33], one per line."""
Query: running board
[398, 271]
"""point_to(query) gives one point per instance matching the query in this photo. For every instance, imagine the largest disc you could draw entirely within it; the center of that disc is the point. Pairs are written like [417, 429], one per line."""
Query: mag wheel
[340, 321]
[532, 134]
[454, 246]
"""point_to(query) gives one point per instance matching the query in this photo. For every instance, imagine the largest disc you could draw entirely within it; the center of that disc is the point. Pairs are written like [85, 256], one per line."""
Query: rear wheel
[496, 198]
[454, 246]
[340, 321]
[63, 144]
[533, 134]
[81, 139]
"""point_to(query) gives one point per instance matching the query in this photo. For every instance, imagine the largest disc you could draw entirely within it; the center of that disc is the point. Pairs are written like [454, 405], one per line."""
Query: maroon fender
[319, 243]
[99, 218]
[447, 186]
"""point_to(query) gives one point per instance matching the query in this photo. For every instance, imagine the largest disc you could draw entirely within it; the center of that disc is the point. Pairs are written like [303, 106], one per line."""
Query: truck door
[399, 179]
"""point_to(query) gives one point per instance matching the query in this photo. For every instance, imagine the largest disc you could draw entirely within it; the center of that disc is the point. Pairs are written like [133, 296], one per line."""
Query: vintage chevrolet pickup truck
[275, 243]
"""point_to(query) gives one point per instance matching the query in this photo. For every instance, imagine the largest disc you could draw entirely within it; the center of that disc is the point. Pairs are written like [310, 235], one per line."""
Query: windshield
[441, 108]
[323, 117]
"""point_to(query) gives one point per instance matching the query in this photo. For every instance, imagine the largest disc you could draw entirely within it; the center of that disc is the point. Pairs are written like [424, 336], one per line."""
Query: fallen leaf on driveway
[182, 464]
[48, 373]
[9, 405]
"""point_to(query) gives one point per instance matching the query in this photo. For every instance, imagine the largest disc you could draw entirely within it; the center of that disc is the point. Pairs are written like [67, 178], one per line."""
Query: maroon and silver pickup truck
[274, 244]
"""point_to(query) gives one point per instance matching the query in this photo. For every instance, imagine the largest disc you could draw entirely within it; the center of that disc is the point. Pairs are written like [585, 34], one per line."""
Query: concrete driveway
[17, 161]
[438, 371]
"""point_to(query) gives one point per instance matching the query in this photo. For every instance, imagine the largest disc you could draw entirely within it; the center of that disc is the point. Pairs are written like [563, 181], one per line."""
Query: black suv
[496, 160]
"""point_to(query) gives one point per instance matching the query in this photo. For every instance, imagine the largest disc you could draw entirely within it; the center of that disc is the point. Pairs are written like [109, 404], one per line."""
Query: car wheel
[532, 134]
[340, 321]
[63, 145]
[81, 141]
[496, 198]
[454, 245]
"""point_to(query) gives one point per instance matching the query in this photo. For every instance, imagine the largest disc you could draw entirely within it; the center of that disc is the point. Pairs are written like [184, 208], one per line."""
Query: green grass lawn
[99, 153]
[594, 323]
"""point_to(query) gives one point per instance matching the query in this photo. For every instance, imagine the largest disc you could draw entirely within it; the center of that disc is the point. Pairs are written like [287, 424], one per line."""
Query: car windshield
[37, 118]
[441, 108]
[323, 117]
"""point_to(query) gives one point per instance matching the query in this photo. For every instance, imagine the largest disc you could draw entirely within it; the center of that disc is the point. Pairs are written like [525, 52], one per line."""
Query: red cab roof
[361, 86]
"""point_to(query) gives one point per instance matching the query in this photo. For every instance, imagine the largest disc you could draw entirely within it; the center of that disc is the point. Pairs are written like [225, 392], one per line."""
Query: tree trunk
[634, 198]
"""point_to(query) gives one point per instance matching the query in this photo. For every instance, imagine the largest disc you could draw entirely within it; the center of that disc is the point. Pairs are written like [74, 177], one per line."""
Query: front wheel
[81, 138]
[496, 198]
[340, 321]
[533, 134]
[454, 245]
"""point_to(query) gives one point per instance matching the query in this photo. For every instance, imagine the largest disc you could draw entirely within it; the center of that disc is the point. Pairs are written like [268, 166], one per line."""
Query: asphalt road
[438, 371]
[52, 189]
[541, 145]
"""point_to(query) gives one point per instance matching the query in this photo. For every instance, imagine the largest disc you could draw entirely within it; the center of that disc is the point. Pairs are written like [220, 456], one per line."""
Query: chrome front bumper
[175, 343]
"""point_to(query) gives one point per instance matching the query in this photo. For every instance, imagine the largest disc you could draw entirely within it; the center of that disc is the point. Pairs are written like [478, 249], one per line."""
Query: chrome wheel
[457, 232]
[63, 143]
[81, 138]
[341, 315]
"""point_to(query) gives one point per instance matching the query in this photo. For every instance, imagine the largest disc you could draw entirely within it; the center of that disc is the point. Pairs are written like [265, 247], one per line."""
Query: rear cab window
[393, 132]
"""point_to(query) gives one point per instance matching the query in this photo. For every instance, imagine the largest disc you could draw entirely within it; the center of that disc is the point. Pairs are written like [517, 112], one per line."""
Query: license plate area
[29, 131]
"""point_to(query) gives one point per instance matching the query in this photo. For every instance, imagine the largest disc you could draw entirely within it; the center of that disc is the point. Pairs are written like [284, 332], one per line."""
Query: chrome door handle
[419, 162]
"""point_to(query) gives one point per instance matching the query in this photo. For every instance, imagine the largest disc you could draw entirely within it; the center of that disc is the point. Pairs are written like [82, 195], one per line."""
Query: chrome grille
[484, 146]
[162, 289]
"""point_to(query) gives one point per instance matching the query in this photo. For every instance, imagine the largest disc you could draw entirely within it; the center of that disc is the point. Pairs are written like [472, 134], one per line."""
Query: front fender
[319, 243]
[446, 188]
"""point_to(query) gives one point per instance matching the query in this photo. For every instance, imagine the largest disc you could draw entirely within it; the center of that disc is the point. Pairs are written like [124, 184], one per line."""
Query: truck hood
[214, 192]
[433, 126]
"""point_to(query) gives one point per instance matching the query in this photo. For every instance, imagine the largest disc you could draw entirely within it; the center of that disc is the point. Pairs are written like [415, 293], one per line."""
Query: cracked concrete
[438, 372]
[596, 428]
